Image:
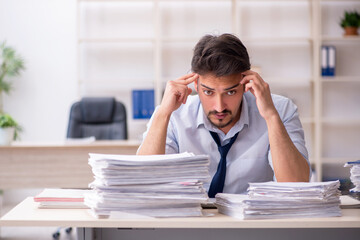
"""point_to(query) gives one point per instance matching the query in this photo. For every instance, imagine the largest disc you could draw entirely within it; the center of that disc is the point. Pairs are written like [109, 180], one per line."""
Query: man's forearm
[289, 164]
[155, 140]
[176, 93]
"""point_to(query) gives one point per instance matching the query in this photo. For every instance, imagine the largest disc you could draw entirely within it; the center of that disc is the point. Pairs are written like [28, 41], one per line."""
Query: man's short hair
[221, 55]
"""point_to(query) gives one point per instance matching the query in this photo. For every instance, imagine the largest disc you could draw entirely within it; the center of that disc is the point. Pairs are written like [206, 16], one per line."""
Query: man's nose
[219, 104]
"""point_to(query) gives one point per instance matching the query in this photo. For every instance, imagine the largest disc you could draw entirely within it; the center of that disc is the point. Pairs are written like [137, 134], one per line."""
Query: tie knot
[223, 150]
[227, 146]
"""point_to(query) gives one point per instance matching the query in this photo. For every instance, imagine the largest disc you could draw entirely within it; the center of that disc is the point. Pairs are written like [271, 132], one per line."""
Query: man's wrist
[272, 117]
[163, 114]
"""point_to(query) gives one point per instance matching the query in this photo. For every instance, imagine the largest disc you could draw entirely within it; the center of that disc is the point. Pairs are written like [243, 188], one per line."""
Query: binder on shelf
[149, 102]
[328, 61]
[136, 104]
[331, 66]
[324, 58]
[143, 103]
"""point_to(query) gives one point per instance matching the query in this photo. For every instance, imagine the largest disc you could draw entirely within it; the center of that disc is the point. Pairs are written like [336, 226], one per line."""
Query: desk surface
[54, 165]
[28, 214]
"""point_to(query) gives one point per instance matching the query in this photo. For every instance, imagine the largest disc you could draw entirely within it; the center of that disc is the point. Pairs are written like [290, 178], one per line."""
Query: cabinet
[125, 45]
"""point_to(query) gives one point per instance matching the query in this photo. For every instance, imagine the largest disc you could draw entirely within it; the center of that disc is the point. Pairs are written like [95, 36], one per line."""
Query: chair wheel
[56, 235]
[68, 230]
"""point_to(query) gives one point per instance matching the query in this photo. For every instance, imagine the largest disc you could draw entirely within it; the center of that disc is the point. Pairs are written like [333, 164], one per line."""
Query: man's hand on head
[261, 90]
[176, 93]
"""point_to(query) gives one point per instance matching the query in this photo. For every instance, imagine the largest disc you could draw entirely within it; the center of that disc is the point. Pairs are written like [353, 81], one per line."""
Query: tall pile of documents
[283, 200]
[354, 175]
[153, 185]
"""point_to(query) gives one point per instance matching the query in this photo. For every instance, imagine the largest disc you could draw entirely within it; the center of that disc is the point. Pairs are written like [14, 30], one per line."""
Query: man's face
[221, 99]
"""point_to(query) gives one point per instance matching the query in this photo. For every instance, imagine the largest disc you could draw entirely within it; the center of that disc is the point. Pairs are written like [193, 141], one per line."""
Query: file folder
[328, 61]
[324, 57]
[136, 97]
[332, 58]
[143, 103]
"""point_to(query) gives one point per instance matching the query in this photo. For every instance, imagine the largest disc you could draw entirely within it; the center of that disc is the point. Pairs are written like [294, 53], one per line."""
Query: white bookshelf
[126, 44]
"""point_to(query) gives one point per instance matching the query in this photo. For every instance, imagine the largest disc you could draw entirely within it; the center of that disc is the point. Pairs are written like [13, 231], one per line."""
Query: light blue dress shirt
[249, 159]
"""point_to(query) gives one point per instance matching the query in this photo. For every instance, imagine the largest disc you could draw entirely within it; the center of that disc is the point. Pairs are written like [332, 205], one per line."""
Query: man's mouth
[220, 115]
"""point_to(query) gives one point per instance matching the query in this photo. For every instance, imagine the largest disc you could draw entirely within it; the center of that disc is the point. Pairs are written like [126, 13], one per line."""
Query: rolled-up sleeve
[171, 143]
[290, 118]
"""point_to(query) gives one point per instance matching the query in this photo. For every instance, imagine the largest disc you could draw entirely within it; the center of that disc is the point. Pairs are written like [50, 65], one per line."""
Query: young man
[249, 134]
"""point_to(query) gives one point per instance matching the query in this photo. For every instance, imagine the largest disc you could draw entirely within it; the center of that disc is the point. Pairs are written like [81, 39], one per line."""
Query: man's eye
[208, 93]
[230, 93]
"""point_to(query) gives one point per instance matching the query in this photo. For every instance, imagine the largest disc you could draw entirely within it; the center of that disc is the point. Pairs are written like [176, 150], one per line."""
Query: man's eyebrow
[232, 87]
[207, 87]
[226, 89]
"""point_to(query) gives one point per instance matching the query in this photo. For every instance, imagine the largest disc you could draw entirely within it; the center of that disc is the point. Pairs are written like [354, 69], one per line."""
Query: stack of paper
[283, 200]
[354, 175]
[61, 198]
[153, 185]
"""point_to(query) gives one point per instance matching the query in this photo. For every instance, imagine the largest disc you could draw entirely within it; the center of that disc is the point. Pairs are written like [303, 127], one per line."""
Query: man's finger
[249, 86]
[246, 79]
[251, 78]
[187, 80]
[189, 90]
[191, 79]
[186, 76]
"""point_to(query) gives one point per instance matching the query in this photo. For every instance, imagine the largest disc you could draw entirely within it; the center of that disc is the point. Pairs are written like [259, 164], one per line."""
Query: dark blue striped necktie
[217, 183]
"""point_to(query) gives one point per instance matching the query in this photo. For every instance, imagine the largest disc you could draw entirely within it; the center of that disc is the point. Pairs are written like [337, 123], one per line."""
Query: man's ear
[196, 85]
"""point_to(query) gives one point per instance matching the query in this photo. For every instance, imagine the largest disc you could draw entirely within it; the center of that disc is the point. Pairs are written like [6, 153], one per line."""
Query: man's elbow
[300, 176]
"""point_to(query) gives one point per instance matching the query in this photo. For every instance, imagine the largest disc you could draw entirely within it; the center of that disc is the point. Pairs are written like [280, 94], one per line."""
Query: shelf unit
[131, 44]
[338, 118]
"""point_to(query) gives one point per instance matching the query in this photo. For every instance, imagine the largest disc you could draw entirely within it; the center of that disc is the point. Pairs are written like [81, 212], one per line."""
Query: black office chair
[100, 117]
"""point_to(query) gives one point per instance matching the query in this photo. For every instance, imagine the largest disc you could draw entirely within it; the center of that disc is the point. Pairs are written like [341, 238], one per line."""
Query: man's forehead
[224, 82]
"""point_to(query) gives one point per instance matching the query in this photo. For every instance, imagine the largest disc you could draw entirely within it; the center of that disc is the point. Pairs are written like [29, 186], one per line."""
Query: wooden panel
[57, 166]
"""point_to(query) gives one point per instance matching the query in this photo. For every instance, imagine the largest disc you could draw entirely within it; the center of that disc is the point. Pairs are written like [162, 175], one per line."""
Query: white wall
[44, 33]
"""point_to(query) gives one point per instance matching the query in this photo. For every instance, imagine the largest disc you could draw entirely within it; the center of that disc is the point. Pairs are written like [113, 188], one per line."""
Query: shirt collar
[239, 125]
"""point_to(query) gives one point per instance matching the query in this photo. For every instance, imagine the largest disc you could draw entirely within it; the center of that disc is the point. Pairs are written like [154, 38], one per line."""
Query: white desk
[58, 165]
[216, 227]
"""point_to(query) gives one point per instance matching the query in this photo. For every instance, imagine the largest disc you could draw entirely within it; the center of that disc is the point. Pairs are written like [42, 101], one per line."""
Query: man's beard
[221, 124]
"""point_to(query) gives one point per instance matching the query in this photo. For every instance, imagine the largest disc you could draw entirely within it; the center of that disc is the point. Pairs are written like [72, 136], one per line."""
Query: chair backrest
[103, 118]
